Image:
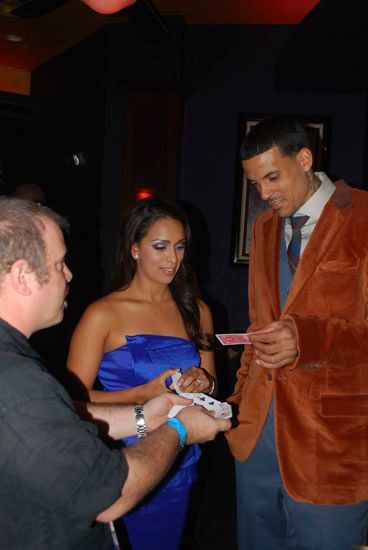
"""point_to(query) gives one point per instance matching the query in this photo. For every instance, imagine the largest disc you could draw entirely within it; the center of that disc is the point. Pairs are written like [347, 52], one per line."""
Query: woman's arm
[193, 380]
[207, 357]
[87, 347]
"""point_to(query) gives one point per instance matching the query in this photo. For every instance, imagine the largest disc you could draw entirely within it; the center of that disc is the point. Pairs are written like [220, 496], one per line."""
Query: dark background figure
[31, 192]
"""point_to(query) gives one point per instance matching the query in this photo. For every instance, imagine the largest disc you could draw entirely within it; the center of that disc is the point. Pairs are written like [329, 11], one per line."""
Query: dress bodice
[142, 358]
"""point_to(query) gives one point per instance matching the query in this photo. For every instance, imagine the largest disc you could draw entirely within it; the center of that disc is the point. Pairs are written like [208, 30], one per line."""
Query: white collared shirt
[312, 208]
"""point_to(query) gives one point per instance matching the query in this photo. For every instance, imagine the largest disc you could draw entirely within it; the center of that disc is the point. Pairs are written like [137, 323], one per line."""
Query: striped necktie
[293, 250]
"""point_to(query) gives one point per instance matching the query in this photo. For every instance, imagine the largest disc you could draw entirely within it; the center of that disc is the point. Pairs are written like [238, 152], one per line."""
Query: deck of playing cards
[221, 410]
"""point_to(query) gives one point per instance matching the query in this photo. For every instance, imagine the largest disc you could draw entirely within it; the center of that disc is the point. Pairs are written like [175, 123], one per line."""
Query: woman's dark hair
[184, 289]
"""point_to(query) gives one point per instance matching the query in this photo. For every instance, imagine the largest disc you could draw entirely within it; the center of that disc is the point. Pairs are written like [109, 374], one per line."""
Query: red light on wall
[108, 7]
[144, 193]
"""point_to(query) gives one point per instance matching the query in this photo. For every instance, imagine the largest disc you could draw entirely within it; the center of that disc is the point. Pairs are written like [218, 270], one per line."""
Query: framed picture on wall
[247, 201]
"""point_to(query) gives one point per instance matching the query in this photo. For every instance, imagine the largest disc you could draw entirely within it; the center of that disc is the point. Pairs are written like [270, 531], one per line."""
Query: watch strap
[139, 418]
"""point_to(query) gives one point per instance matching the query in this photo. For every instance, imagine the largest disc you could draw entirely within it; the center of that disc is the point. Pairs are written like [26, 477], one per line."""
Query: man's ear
[21, 276]
[305, 158]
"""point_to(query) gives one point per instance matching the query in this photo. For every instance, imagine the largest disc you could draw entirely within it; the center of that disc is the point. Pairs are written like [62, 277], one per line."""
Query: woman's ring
[200, 381]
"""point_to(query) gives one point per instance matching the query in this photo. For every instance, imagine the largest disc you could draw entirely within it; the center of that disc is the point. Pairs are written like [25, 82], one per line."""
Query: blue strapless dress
[158, 522]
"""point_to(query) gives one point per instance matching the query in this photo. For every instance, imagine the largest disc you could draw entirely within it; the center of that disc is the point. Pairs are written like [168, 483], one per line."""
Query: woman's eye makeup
[163, 245]
[159, 246]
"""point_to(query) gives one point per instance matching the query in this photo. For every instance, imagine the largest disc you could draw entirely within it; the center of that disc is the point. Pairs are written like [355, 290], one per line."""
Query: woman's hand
[196, 380]
[158, 385]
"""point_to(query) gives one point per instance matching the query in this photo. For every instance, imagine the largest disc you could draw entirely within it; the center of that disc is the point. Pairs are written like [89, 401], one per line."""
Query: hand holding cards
[221, 410]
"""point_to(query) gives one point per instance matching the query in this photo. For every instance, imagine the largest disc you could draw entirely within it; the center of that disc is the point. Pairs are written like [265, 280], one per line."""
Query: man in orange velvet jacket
[301, 443]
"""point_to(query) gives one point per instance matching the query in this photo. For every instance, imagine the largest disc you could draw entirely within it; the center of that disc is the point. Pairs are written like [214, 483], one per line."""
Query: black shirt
[56, 475]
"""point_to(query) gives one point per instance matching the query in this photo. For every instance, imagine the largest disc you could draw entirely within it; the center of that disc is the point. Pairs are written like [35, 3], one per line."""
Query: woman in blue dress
[132, 340]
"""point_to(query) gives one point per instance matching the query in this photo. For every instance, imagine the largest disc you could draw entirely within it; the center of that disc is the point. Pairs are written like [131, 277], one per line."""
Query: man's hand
[157, 409]
[275, 344]
[201, 426]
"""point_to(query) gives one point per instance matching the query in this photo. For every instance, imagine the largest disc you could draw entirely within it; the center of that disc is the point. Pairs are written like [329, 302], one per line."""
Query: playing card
[175, 379]
[221, 410]
[235, 338]
[232, 339]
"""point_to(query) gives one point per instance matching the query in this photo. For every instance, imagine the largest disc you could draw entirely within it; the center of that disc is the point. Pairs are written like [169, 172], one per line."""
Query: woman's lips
[169, 270]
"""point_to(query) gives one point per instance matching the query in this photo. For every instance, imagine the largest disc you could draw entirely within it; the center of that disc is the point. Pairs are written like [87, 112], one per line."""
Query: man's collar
[13, 340]
[316, 203]
[343, 194]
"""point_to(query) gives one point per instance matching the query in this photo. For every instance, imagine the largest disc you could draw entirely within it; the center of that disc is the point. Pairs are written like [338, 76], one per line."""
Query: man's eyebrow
[268, 175]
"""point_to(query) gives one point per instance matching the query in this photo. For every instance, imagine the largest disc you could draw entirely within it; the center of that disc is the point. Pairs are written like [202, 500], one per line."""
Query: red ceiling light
[144, 193]
[108, 6]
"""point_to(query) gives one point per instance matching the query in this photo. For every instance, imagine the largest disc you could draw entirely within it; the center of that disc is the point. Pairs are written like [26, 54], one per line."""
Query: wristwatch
[139, 418]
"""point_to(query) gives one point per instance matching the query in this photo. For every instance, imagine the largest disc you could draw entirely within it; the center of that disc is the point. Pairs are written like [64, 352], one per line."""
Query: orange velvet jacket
[321, 400]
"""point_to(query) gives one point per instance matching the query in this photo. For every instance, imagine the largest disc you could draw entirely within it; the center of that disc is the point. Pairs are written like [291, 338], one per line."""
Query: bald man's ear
[305, 158]
[20, 277]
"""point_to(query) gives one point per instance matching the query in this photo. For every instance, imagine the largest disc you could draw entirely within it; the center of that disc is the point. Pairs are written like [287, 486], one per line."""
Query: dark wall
[80, 111]
[19, 117]
[130, 58]
[71, 89]
[231, 68]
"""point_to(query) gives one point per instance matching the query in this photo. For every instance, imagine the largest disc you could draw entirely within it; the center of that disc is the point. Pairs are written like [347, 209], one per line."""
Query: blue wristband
[180, 428]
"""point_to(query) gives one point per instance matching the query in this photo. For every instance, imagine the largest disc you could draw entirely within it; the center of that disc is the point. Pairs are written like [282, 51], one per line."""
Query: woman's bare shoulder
[106, 307]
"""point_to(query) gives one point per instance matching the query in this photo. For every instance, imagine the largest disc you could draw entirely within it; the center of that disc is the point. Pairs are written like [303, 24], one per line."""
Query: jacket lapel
[329, 225]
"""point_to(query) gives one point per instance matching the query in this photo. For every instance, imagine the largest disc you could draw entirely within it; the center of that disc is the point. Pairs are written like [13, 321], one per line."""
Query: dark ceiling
[27, 43]
[325, 52]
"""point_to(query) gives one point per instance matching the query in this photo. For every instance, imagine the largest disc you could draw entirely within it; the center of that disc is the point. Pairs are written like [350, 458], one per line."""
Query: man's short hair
[21, 235]
[281, 131]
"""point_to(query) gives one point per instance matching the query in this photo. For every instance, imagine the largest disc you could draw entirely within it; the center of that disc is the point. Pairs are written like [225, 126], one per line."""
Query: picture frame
[247, 201]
